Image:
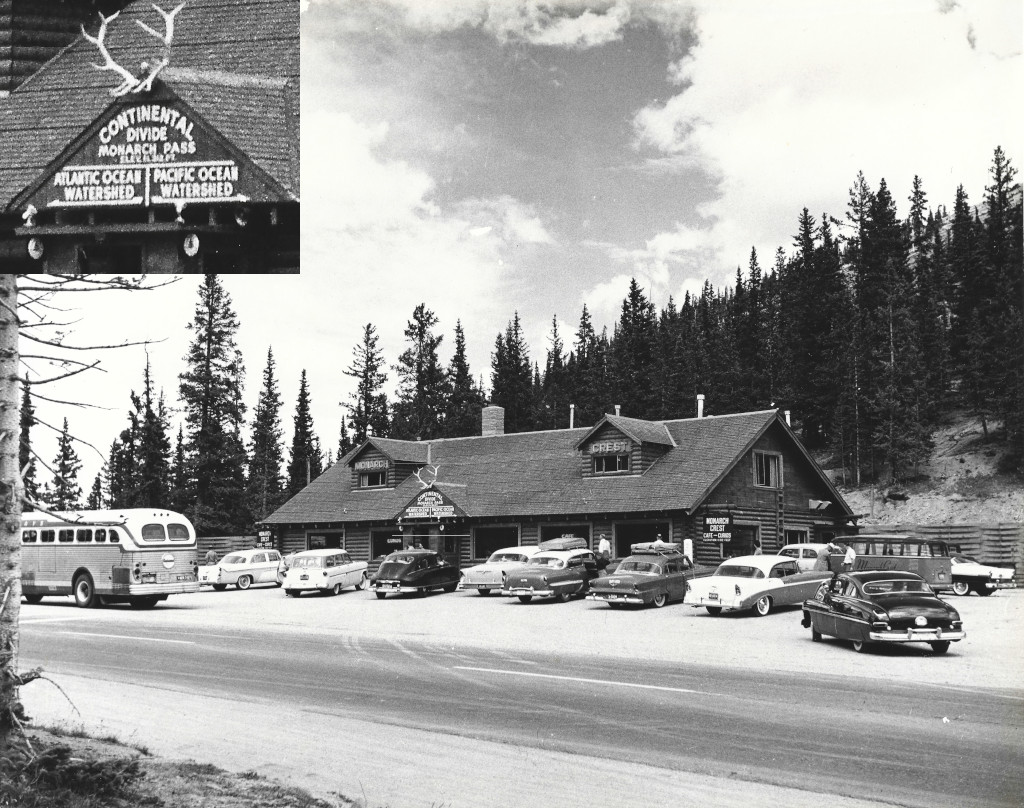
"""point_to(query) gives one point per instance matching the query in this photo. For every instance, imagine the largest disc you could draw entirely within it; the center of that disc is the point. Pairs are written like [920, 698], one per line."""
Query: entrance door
[628, 533]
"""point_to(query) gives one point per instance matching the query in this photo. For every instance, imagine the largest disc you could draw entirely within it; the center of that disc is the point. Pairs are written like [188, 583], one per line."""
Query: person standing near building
[848, 558]
[604, 547]
[211, 557]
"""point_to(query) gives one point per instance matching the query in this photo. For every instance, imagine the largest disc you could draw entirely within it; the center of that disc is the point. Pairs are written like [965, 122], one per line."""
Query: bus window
[153, 532]
[176, 532]
[83, 535]
[46, 536]
[65, 535]
[101, 534]
[937, 549]
[114, 538]
[28, 536]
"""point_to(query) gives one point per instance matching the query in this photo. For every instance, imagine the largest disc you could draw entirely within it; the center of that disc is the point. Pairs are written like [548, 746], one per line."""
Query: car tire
[614, 605]
[563, 597]
[362, 582]
[85, 592]
[762, 606]
[449, 588]
[860, 646]
[659, 600]
[147, 602]
[381, 595]
[984, 591]
[714, 611]
[220, 587]
[484, 592]
[940, 646]
[815, 635]
[243, 582]
[525, 598]
[961, 588]
[292, 593]
[336, 589]
[32, 598]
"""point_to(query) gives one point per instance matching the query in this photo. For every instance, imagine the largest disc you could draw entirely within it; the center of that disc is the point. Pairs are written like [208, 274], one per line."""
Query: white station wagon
[328, 571]
[243, 568]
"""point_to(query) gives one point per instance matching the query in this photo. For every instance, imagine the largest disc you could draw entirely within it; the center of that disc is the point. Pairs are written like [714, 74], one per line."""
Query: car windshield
[895, 586]
[554, 562]
[402, 559]
[498, 557]
[308, 561]
[739, 571]
[234, 559]
[644, 567]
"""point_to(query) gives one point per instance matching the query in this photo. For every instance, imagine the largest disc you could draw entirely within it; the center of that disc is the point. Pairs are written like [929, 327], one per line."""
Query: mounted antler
[147, 83]
[129, 79]
[423, 482]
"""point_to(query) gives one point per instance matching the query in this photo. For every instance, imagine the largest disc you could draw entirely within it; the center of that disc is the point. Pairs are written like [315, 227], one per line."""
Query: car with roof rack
[654, 574]
[558, 574]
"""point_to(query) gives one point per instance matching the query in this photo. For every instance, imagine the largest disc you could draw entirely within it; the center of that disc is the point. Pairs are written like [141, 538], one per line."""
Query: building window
[373, 479]
[609, 464]
[487, 540]
[767, 470]
[796, 537]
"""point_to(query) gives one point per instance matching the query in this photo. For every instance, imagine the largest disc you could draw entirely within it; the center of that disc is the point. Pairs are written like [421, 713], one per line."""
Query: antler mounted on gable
[433, 471]
[130, 82]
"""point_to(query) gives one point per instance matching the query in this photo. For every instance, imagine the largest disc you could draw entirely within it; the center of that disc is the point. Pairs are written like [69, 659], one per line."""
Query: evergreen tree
[306, 463]
[65, 493]
[553, 394]
[634, 363]
[422, 384]
[96, 499]
[265, 483]
[465, 399]
[512, 378]
[153, 446]
[26, 458]
[210, 389]
[368, 412]
[587, 374]
[179, 479]
[344, 440]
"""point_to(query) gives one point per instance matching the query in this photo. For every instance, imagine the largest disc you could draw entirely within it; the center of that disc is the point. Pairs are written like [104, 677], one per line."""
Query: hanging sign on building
[144, 154]
[431, 504]
[264, 538]
[718, 527]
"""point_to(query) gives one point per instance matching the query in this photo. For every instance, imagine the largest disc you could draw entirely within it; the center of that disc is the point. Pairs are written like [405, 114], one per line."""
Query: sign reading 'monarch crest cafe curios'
[146, 154]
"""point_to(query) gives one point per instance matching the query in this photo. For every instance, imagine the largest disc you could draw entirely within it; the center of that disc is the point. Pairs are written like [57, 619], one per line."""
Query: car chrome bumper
[520, 591]
[917, 635]
[722, 603]
[473, 585]
[1000, 585]
[616, 597]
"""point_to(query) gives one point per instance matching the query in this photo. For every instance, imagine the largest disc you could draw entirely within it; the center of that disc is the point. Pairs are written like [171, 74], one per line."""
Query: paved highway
[410, 715]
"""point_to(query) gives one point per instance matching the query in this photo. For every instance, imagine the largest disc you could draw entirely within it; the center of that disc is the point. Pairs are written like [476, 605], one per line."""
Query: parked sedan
[416, 571]
[490, 576]
[648, 577]
[971, 576]
[561, 574]
[885, 607]
[327, 571]
[756, 582]
[806, 554]
[243, 568]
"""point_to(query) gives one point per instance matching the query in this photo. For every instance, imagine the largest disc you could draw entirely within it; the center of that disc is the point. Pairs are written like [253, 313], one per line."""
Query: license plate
[712, 596]
[303, 577]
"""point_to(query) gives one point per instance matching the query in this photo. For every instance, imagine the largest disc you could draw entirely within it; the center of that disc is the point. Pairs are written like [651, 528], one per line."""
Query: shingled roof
[538, 474]
[235, 61]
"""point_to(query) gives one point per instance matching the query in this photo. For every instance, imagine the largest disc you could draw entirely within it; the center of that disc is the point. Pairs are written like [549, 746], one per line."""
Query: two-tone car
[649, 576]
[755, 582]
[490, 576]
[559, 574]
[324, 571]
[884, 606]
[413, 571]
[969, 575]
[243, 568]
[805, 553]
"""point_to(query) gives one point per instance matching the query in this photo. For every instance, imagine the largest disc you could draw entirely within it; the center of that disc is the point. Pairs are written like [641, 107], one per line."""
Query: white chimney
[618, 408]
[572, 415]
[700, 405]
[785, 414]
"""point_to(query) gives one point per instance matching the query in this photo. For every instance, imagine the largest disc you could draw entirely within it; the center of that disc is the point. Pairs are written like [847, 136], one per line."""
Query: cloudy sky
[488, 156]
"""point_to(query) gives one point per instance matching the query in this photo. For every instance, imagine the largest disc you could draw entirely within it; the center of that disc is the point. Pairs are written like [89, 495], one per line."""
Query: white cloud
[786, 101]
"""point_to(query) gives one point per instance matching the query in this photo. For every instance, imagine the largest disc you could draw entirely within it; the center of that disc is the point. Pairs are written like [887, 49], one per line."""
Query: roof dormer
[619, 446]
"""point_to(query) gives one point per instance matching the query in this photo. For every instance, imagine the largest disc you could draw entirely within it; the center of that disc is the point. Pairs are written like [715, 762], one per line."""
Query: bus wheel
[244, 582]
[85, 592]
[32, 598]
[147, 602]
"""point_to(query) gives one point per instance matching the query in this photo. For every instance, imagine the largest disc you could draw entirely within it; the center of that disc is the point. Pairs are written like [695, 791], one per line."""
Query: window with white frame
[767, 470]
[610, 464]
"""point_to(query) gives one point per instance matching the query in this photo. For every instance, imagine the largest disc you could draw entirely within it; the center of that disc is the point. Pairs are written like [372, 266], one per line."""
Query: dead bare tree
[29, 311]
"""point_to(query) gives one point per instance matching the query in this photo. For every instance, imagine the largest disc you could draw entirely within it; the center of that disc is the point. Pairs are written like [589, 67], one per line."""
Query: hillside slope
[958, 485]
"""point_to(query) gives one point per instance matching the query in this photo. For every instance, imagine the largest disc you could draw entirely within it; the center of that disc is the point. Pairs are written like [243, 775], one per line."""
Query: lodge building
[721, 486]
[145, 137]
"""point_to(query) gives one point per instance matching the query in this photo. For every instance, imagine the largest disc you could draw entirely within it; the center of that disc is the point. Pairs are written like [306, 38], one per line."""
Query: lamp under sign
[35, 248]
[190, 245]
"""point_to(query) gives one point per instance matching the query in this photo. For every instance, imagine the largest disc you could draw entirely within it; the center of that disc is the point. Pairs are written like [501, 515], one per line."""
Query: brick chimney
[492, 421]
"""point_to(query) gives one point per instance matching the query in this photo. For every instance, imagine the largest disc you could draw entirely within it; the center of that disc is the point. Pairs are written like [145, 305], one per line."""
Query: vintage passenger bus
[134, 555]
[929, 558]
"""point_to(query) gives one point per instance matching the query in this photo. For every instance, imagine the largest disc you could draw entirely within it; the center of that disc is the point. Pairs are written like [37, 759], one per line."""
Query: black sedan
[416, 571]
[883, 607]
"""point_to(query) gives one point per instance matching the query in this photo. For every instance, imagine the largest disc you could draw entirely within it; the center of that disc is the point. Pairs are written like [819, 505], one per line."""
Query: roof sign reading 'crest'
[146, 154]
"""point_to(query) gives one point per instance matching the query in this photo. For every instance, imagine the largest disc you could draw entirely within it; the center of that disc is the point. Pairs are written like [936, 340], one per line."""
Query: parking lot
[991, 656]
